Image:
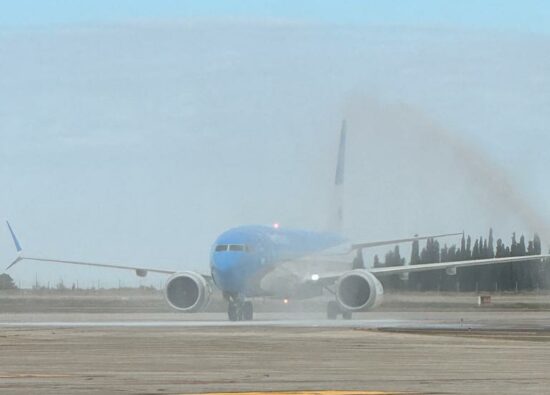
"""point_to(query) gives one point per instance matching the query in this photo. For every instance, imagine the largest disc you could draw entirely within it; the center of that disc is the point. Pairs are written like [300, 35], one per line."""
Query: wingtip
[14, 238]
[13, 263]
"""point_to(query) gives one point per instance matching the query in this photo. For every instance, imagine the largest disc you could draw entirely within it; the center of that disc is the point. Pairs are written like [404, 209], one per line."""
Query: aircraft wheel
[346, 315]
[233, 312]
[248, 311]
[332, 310]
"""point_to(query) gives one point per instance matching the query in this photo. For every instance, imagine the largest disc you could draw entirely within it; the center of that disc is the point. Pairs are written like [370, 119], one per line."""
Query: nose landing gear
[239, 309]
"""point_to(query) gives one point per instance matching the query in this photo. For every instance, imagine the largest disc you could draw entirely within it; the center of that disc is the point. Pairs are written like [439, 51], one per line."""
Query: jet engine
[187, 291]
[359, 290]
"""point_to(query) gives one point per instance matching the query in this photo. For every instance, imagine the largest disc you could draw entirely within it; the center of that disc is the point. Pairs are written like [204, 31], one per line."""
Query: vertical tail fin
[336, 210]
[339, 177]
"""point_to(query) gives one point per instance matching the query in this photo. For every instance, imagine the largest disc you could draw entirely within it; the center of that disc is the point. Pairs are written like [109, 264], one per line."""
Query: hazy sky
[524, 16]
[135, 131]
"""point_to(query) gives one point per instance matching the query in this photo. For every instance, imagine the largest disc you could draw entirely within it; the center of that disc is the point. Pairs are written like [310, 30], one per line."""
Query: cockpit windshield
[232, 247]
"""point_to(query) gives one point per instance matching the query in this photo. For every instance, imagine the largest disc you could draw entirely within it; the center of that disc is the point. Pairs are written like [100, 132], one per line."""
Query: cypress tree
[503, 269]
[514, 251]
[415, 253]
[491, 245]
[514, 246]
[538, 267]
[475, 252]
[537, 245]
[396, 256]
[522, 251]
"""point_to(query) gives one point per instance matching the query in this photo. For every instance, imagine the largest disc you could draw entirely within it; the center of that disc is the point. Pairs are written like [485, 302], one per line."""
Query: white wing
[140, 271]
[357, 246]
[330, 278]
[450, 265]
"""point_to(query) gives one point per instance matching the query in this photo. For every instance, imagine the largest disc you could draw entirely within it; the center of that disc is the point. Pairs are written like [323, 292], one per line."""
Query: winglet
[15, 241]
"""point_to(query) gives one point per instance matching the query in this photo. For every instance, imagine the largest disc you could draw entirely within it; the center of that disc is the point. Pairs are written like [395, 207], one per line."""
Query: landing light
[314, 277]
[276, 225]
[285, 301]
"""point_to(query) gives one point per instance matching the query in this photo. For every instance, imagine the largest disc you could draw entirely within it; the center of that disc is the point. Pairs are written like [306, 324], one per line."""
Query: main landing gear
[333, 310]
[239, 309]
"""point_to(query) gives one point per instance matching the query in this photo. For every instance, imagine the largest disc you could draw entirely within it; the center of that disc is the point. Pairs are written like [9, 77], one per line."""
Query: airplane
[272, 261]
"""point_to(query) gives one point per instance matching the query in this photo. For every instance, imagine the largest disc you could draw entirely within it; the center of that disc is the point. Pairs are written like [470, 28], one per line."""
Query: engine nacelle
[187, 291]
[359, 290]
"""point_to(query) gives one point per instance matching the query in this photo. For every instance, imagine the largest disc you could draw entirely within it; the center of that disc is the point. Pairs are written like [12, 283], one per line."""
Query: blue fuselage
[241, 256]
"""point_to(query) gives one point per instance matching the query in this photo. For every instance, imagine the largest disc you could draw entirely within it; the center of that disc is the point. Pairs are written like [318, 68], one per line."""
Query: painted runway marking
[327, 392]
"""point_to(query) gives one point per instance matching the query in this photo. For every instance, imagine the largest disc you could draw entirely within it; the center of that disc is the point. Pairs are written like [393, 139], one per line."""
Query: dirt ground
[87, 345]
[195, 360]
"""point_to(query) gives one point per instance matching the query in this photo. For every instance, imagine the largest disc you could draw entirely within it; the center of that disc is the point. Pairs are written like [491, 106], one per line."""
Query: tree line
[513, 276]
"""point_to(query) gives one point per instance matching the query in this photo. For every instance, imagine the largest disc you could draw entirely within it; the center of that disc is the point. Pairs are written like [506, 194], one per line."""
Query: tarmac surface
[469, 352]
[482, 320]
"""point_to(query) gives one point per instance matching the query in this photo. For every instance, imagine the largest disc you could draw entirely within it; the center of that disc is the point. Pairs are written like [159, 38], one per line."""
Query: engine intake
[187, 291]
[359, 290]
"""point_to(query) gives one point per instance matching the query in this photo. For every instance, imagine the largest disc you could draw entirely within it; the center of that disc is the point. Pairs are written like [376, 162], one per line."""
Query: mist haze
[140, 142]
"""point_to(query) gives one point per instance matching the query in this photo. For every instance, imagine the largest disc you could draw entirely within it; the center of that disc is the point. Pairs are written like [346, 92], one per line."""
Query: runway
[482, 320]
[481, 352]
[366, 324]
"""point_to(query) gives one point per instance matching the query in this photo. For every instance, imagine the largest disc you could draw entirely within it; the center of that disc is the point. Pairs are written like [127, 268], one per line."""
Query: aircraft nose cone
[226, 269]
